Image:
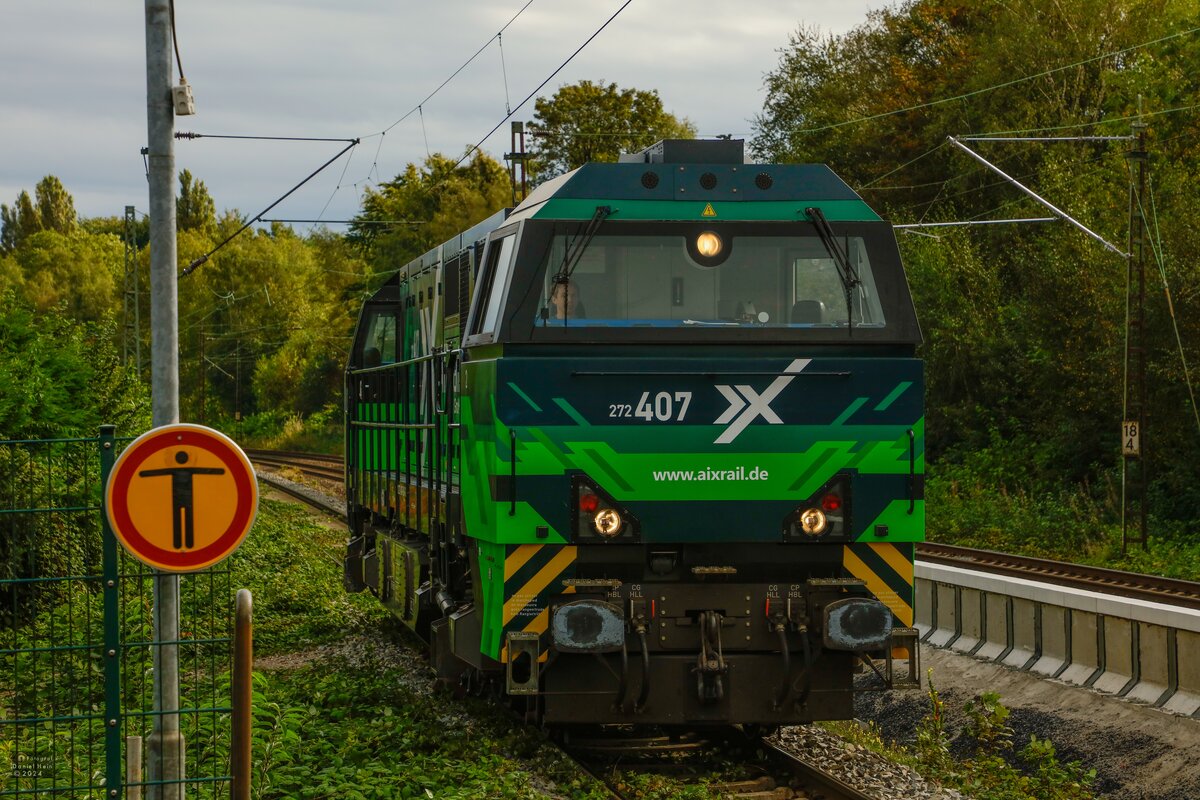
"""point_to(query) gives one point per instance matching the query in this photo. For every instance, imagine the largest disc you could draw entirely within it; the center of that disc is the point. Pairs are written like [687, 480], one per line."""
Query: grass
[971, 505]
[362, 719]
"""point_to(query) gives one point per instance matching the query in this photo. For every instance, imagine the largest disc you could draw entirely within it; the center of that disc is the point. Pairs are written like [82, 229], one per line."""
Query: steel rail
[1170, 591]
[689, 756]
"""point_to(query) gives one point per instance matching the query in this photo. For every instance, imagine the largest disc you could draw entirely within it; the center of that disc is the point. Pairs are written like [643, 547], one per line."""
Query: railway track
[761, 768]
[316, 465]
[1109, 581]
[1081, 576]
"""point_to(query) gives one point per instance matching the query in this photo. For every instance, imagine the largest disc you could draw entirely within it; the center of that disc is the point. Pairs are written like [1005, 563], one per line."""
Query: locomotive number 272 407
[663, 407]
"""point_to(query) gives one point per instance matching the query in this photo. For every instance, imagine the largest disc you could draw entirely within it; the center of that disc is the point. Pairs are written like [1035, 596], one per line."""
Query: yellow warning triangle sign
[708, 211]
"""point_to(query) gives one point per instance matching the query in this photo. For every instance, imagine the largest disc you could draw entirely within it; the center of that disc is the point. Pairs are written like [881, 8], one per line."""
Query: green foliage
[194, 209]
[989, 773]
[73, 273]
[933, 743]
[426, 205]
[320, 432]
[295, 571]
[61, 378]
[1024, 324]
[589, 121]
[1051, 778]
[52, 210]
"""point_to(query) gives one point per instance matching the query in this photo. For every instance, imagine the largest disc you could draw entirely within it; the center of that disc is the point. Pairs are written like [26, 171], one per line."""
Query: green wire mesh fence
[77, 642]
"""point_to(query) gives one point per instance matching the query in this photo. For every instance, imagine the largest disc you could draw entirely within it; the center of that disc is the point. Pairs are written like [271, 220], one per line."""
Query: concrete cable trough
[1141, 650]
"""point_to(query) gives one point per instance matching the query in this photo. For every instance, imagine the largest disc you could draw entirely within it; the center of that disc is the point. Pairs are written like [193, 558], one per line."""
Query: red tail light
[588, 502]
[831, 502]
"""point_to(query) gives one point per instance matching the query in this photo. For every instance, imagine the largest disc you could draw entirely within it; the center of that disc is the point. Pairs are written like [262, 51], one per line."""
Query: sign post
[179, 498]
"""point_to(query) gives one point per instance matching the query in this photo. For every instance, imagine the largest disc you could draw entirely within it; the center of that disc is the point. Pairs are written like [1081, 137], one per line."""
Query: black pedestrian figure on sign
[183, 529]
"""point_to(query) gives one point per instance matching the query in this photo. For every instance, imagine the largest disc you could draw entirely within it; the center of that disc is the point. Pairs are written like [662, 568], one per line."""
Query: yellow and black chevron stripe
[533, 574]
[888, 571]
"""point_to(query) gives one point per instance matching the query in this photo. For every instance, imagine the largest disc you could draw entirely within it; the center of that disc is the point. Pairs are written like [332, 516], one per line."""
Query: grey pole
[165, 755]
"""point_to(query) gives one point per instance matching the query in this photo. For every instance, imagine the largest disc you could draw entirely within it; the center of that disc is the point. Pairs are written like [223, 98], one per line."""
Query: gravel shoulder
[1139, 753]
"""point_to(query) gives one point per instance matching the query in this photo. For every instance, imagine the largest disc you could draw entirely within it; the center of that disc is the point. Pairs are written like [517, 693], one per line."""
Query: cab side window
[379, 343]
[490, 297]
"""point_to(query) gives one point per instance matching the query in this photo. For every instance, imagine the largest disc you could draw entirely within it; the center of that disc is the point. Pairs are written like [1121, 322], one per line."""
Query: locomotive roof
[716, 191]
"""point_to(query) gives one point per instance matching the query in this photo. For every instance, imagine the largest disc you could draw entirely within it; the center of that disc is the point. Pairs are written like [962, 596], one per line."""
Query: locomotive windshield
[706, 278]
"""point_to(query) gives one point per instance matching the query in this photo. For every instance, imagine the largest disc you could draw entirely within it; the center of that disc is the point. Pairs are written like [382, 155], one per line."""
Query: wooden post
[243, 668]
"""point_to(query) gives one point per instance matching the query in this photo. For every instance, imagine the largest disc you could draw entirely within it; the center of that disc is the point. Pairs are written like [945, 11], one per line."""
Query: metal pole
[112, 627]
[1133, 425]
[243, 669]
[165, 746]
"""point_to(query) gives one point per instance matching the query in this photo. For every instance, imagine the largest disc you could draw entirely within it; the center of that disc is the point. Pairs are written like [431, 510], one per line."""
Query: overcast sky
[72, 84]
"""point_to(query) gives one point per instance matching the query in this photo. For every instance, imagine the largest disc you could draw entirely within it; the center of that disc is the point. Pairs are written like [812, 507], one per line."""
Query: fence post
[243, 668]
[112, 627]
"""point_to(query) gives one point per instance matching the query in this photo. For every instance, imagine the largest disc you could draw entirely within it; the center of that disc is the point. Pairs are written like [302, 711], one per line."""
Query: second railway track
[1127, 584]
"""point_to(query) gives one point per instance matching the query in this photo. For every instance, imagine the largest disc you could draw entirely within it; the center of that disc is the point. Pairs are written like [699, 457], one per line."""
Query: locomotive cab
[669, 468]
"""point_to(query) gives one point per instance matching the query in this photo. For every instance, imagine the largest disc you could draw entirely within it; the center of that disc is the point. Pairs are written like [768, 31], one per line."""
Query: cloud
[72, 84]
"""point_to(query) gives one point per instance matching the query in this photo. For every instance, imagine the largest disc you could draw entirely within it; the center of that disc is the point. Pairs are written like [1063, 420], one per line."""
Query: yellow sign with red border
[181, 497]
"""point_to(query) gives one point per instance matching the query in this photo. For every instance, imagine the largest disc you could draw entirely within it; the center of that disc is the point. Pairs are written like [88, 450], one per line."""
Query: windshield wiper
[575, 248]
[845, 269]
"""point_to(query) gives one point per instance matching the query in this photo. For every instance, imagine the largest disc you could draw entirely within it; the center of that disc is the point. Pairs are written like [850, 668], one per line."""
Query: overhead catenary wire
[192, 267]
[1004, 85]
[1156, 249]
[549, 78]
[504, 73]
[1093, 123]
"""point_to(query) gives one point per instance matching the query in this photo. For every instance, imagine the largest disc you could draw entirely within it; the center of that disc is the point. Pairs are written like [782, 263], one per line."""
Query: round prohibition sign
[181, 497]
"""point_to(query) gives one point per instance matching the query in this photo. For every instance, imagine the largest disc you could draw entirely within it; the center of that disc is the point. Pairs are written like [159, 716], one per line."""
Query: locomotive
[648, 447]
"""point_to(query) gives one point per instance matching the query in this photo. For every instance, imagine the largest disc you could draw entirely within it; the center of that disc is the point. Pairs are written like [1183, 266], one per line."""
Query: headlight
[824, 515]
[607, 522]
[708, 244]
[812, 521]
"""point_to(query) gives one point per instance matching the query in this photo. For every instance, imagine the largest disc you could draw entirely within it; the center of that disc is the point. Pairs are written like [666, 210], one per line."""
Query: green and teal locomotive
[648, 448]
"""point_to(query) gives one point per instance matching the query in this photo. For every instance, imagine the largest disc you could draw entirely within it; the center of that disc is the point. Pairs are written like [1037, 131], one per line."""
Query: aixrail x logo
[747, 405]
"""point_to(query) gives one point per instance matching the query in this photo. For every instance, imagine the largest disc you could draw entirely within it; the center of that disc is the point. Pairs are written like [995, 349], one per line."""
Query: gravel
[859, 767]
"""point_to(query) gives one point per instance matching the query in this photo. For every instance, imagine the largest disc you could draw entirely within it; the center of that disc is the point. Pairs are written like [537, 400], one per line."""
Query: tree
[195, 209]
[73, 273]
[52, 210]
[63, 378]
[1024, 325]
[589, 121]
[18, 222]
[55, 205]
[426, 205]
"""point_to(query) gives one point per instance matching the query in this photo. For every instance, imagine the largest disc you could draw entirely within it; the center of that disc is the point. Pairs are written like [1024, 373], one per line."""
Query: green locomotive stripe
[891, 398]
[887, 570]
[849, 412]
[817, 467]
[723, 210]
[608, 469]
[520, 393]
